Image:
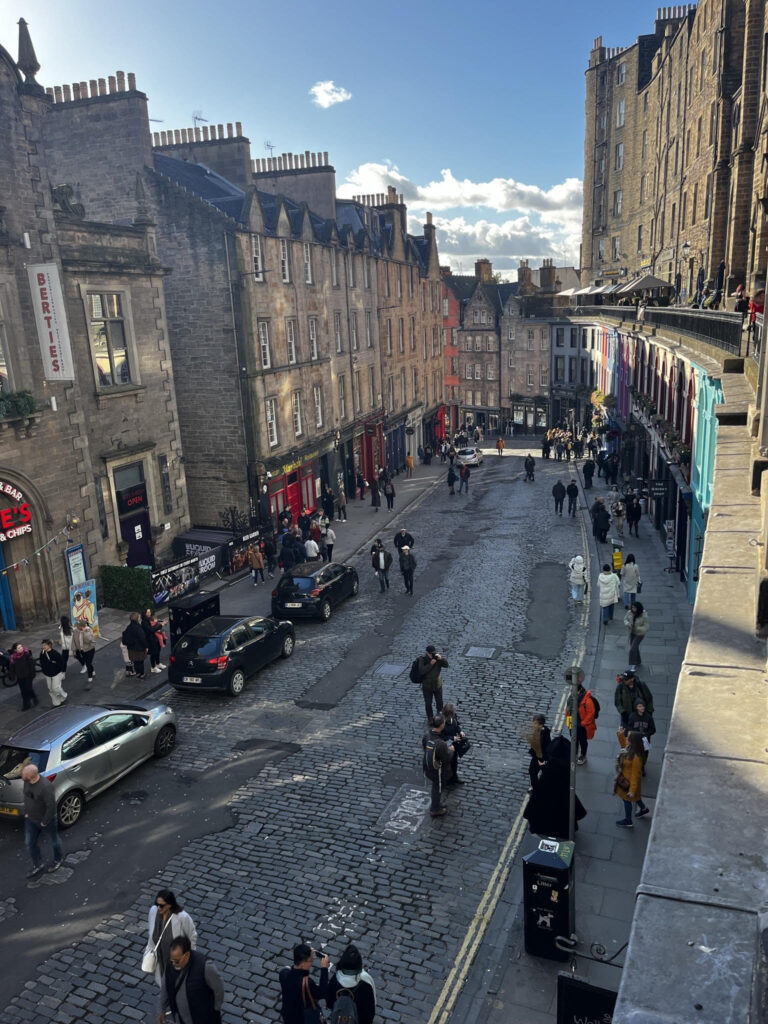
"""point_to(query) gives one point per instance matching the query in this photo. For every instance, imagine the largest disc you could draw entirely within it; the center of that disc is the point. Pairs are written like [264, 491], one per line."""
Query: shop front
[293, 486]
[372, 452]
[28, 541]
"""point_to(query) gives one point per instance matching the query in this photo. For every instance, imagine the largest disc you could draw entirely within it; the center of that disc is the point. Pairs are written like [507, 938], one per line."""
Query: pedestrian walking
[589, 709]
[427, 672]
[618, 514]
[602, 522]
[630, 689]
[628, 784]
[408, 466]
[152, 629]
[329, 503]
[65, 639]
[256, 563]
[341, 503]
[381, 561]
[558, 493]
[40, 819]
[547, 809]
[464, 474]
[577, 577]
[457, 739]
[304, 522]
[452, 478]
[22, 671]
[375, 496]
[330, 542]
[609, 592]
[634, 514]
[351, 991]
[630, 580]
[362, 483]
[407, 568]
[641, 721]
[389, 494]
[84, 648]
[588, 469]
[300, 992]
[529, 464]
[500, 446]
[403, 538]
[437, 764]
[539, 737]
[452, 455]
[52, 666]
[267, 546]
[166, 921]
[572, 490]
[134, 639]
[311, 550]
[637, 622]
[192, 988]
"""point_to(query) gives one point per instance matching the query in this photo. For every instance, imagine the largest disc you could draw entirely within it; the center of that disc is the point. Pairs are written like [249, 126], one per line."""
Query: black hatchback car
[312, 590]
[220, 653]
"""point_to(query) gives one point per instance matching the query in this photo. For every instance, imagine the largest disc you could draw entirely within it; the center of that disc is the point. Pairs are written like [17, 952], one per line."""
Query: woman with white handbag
[166, 922]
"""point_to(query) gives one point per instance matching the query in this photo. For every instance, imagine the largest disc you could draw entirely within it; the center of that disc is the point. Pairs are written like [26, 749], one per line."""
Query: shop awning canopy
[646, 283]
[583, 291]
[568, 291]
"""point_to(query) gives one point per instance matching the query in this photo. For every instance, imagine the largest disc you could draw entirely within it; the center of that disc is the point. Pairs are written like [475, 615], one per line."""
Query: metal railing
[612, 312]
[723, 330]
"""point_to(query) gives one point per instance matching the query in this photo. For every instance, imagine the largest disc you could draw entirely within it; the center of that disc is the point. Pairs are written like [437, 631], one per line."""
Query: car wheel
[236, 683]
[165, 741]
[70, 808]
[355, 587]
[325, 611]
[288, 645]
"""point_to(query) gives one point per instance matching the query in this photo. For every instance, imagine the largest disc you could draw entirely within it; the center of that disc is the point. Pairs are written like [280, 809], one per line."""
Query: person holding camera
[300, 992]
[457, 739]
[428, 671]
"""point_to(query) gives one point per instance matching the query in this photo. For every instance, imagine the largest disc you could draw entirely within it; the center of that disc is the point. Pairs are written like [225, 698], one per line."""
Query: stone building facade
[89, 434]
[669, 149]
[306, 329]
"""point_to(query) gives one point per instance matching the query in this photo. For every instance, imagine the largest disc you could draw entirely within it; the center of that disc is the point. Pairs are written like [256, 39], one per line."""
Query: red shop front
[372, 450]
[293, 489]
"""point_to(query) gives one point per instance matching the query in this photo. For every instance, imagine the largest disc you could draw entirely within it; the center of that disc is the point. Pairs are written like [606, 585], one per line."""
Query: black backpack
[596, 702]
[431, 760]
[344, 1009]
[415, 674]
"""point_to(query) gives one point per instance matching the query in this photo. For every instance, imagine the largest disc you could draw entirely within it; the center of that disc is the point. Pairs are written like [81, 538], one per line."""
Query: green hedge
[125, 587]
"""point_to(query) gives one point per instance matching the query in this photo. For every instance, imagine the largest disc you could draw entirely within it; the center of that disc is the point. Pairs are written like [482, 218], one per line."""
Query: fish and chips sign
[51, 320]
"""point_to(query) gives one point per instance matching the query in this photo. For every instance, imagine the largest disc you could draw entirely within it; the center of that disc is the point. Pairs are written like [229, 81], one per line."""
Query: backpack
[596, 702]
[415, 674]
[344, 1009]
[431, 760]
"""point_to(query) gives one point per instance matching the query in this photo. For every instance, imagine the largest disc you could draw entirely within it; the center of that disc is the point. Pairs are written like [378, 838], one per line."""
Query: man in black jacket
[438, 756]
[428, 668]
[558, 493]
[192, 988]
[572, 490]
[53, 666]
[292, 982]
[40, 818]
[403, 539]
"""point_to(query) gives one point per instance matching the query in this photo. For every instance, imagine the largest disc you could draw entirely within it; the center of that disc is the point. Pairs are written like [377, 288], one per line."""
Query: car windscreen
[14, 759]
[299, 584]
[467, 451]
[192, 646]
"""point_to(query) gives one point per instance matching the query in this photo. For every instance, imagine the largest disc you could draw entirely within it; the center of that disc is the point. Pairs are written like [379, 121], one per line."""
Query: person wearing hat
[403, 538]
[428, 668]
[352, 985]
[628, 690]
[407, 566]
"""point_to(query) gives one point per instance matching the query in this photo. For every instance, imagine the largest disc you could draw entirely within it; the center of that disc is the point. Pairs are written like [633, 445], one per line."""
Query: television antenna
[197, 118]
[269, 146]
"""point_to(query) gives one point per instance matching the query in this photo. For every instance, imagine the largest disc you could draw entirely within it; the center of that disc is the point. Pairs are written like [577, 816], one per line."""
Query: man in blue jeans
[464, 481]
[40, 818]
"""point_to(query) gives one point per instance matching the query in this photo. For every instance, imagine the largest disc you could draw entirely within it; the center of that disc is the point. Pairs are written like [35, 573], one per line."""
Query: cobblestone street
[332, 839]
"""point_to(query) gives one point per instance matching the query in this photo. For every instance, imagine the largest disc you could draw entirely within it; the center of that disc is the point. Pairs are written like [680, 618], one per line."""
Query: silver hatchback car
[82, 750]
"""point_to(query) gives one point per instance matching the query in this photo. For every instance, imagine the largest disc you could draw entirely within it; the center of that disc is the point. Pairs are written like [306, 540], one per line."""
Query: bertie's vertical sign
[51, 320]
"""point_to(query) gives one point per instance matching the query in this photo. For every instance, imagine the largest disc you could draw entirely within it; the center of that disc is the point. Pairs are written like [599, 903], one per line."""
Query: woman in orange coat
[629, 777]
[587, 725]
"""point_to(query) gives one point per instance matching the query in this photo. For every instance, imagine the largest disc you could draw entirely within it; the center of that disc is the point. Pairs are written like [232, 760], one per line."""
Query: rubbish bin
[186, 612]
[548, 897]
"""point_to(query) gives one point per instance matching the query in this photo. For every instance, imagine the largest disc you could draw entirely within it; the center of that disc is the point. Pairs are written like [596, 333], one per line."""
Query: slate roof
[463, 286]
[204, 183]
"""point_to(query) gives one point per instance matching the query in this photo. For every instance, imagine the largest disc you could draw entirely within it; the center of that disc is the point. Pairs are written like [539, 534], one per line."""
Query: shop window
[109, 346]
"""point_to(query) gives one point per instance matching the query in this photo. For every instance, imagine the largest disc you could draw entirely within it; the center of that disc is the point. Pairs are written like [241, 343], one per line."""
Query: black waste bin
[186, 612]
[548, 897]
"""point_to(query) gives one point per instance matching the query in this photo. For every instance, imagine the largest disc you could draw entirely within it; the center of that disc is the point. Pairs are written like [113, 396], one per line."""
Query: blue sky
[475, 113]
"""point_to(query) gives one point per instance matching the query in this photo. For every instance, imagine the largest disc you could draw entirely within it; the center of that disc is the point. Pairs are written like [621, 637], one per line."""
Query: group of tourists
[52, 662]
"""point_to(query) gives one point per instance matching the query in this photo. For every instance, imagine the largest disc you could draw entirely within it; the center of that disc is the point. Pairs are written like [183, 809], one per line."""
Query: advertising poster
[175, 580]
[82, 604]
[238, 551]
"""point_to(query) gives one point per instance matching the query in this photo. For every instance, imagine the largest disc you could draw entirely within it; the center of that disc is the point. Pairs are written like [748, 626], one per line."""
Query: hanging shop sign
[51, 321]
[15, 515]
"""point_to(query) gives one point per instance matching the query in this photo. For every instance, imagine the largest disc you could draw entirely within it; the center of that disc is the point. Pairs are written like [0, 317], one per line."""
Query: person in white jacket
[167, 921]
[577, 578]
[609, 590]
[630, 579]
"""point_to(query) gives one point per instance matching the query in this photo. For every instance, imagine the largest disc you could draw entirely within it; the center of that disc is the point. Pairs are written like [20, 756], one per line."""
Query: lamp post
[685, 252]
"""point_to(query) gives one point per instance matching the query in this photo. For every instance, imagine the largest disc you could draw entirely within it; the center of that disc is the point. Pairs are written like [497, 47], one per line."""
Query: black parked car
[221, 652]
[311, 590]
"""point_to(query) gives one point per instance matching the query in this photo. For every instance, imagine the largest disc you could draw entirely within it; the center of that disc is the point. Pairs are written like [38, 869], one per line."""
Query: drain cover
[480, 652]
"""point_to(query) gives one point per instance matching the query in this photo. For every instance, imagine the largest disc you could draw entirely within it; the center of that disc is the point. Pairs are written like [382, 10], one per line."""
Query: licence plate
[192, 679]
[13, 811]
[293, 604]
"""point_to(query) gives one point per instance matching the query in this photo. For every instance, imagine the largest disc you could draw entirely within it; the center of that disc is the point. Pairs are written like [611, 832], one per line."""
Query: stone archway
[26, 524]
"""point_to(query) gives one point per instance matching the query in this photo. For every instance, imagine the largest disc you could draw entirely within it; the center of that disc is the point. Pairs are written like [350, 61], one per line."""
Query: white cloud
[546, 222]
[326, 94]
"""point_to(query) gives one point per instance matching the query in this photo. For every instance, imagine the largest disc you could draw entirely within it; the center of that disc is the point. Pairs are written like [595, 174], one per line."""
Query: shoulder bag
[312, 1012]
[149, 960]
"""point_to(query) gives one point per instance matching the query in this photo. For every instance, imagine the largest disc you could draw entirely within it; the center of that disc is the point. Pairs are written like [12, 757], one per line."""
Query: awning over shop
[568, 291]
[583, 291]
[646, 283]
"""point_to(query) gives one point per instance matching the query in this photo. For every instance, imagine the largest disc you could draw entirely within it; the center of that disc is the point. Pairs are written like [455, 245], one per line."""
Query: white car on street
[469, 457]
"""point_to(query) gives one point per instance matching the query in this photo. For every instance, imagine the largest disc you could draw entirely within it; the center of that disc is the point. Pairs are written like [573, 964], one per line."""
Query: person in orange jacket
[629, 776]
[589, 709]
[500, 446]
